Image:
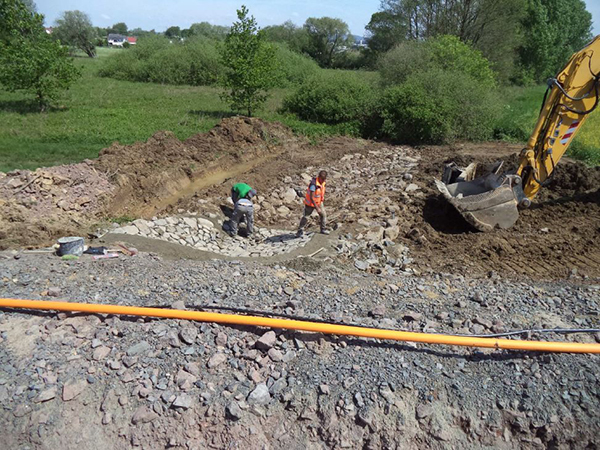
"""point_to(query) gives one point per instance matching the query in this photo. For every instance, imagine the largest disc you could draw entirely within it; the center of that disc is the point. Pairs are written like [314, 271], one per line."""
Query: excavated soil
[557, 237]
[130, 181]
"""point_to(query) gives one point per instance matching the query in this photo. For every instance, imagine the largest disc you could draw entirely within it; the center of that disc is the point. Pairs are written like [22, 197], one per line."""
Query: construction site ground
[398, 257]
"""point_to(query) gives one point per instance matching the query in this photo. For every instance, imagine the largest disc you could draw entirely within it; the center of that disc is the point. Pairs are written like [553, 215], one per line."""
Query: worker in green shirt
[242, 194]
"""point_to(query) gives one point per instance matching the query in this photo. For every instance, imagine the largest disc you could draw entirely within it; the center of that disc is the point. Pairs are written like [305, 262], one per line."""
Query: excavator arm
[571, 96]
[492, 201]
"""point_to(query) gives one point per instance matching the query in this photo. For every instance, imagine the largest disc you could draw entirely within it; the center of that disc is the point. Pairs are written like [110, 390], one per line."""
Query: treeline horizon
[526, 41]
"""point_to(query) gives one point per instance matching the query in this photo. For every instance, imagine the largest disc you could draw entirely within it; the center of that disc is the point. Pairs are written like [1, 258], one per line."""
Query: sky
[161, 14]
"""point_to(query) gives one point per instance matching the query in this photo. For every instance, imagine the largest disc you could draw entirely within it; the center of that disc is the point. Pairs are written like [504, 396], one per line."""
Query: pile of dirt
[557, 237]
[134, 180]
[36, 206]
[155, 174]
[573, 179]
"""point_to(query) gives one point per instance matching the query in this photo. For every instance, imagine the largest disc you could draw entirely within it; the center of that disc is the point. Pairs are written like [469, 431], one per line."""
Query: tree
[326, 37]
[554, 30]
[250, 64]
[30, 5]
[118, 28]
[385, 31]
[207, 30]
[492, 26]
[75, 29]
[294, 36]
[138, 32]
[173, 32]
[29, 59]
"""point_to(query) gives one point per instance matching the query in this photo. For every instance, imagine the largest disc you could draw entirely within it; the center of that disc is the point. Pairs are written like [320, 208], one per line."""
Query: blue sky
[160, 14]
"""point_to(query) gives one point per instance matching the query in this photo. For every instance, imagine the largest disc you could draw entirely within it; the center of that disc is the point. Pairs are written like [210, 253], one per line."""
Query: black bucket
[71, 245]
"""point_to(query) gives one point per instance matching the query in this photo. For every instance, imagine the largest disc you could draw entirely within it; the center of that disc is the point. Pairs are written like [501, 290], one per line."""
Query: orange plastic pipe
[235, 319]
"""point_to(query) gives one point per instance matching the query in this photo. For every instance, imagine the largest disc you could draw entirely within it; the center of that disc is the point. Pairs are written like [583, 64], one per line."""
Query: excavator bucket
[486, 202]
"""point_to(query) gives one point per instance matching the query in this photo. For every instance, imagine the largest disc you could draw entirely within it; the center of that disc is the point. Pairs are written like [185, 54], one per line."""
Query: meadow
[98, 111]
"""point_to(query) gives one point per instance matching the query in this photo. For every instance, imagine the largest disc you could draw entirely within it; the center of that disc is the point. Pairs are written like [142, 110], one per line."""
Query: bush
[333, 97]
[439, 90]
[350, 60]
[436, 107]
[295, 67]
[445, 53]
[155, 59]
[195, 62]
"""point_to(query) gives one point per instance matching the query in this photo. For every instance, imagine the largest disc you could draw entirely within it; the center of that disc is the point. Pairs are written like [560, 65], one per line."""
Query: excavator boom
[492, 201]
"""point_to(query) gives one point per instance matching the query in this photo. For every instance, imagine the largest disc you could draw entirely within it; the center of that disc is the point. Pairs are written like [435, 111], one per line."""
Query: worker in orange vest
[315, 194]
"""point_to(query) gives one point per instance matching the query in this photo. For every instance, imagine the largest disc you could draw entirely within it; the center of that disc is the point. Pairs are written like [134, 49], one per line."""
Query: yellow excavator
[493, 201]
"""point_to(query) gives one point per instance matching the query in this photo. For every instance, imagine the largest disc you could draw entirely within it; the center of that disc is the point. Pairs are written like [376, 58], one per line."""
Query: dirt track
[558, 236]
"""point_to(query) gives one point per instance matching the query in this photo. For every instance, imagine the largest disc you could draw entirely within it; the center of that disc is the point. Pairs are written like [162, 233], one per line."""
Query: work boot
[300, 233]
[325, 232]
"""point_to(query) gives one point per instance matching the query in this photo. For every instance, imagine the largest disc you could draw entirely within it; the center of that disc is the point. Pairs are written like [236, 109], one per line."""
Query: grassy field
[96, 112]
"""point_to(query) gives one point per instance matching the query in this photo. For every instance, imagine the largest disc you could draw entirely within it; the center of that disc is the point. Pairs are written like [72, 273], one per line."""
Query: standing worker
[242, 194]
[315, 194]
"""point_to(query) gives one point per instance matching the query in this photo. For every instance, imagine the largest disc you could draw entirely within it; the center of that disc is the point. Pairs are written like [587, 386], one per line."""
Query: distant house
[49, 30]
[116, 40]
[360, 42]
[132, 40]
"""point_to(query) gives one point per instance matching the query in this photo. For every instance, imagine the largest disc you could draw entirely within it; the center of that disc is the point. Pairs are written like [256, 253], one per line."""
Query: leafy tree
[173, 32]
[75, 29]
[29, 59]
[251, 66]
[385, 29]
[295, 37]
[326, 37]
[554, 29]
[492, 26]
[118, 28]
[207, 30]
[30, 5]
[141, 33]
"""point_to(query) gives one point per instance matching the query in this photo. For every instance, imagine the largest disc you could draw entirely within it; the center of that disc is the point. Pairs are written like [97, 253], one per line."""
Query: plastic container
[71, 245]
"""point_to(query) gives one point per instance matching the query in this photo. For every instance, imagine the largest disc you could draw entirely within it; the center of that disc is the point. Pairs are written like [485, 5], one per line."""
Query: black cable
[583, 113]
[537, 330]
[575, 99]
[306, 319]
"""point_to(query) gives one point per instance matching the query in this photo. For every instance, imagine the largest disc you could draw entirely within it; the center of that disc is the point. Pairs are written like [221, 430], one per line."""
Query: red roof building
[132, 40]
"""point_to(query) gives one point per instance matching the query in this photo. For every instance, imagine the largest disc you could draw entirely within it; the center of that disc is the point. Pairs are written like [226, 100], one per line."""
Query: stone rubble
[148, 383]
[201, 234]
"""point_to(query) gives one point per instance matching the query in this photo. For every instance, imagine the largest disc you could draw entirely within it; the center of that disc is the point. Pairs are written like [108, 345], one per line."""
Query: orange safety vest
[318, 194]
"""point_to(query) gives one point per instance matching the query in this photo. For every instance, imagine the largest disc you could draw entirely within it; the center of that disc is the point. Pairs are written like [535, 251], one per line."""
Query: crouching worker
[315, 195]
[242, 194]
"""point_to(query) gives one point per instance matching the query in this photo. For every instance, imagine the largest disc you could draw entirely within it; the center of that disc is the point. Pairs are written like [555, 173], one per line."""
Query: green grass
[97, 111]
[521, 112]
